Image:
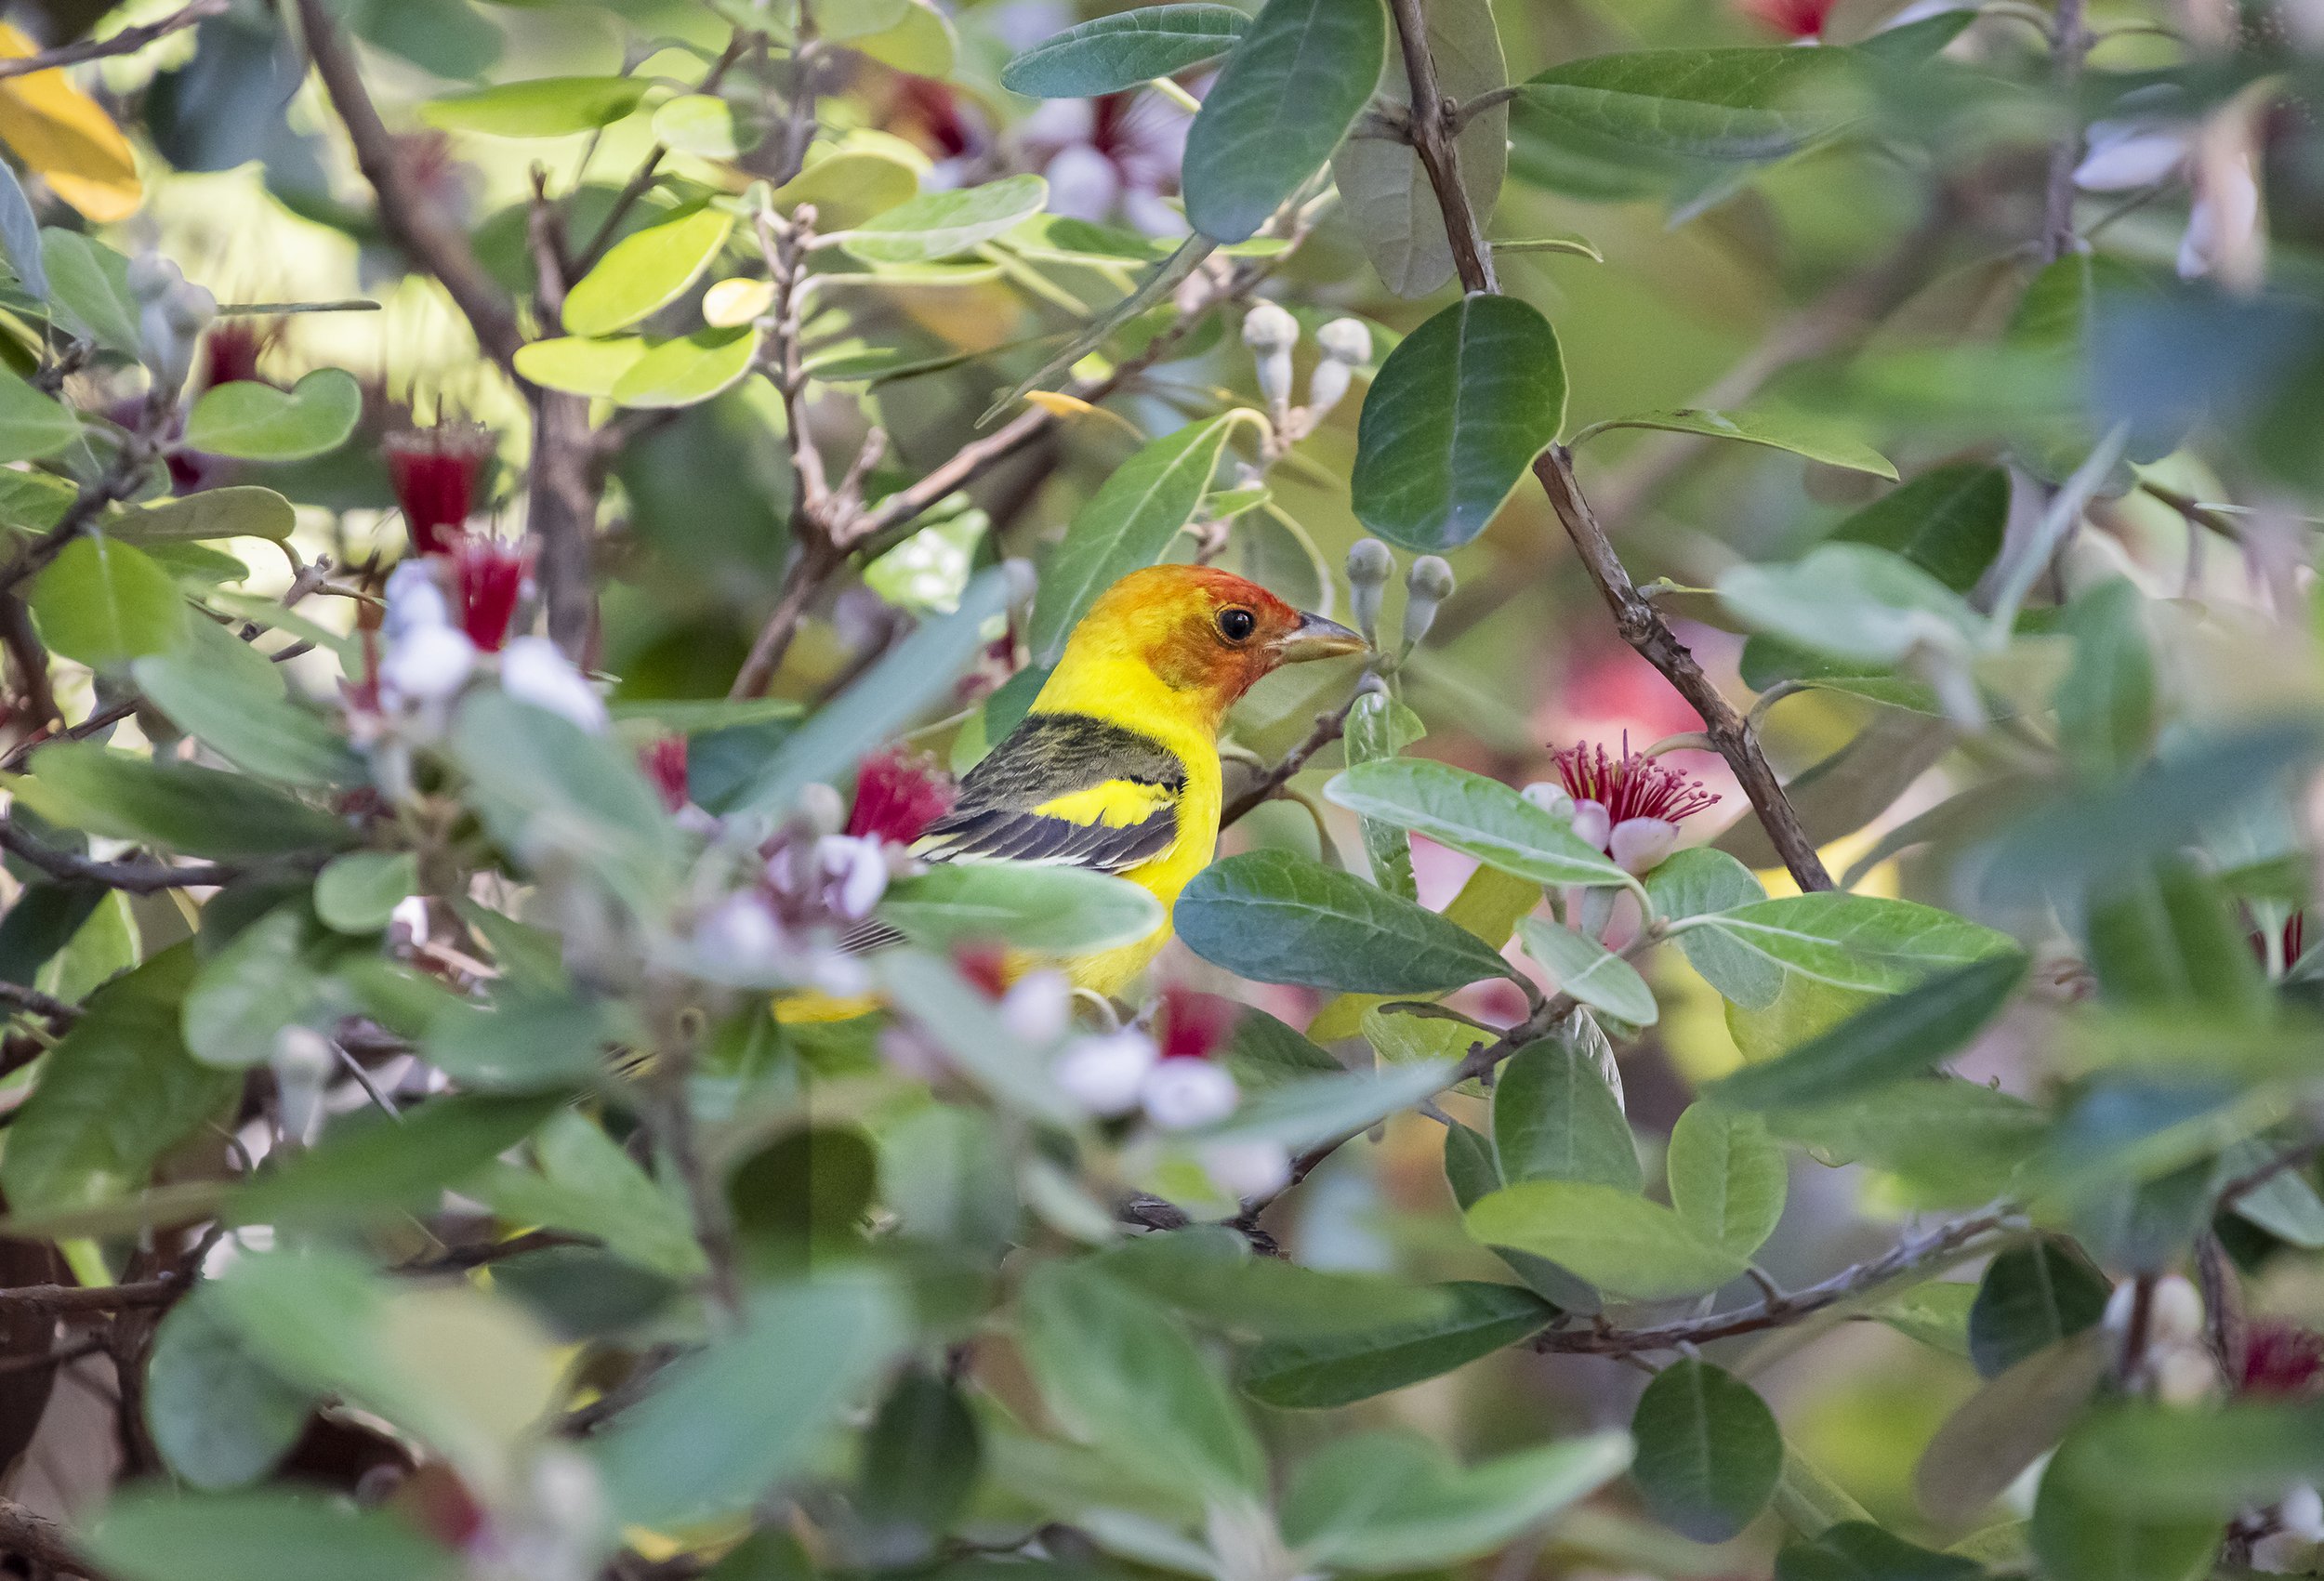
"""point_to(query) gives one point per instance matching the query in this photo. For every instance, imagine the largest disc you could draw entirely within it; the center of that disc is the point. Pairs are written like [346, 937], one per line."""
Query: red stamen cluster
[232, 349]
[436, 474]
[1800, 19]
[2281, 1358]
[1191, 1025]
[664, 761]
[491, 573]
[1632, 785]
[898, 795]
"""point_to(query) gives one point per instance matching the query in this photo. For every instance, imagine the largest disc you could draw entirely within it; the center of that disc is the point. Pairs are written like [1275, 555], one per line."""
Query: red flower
[1191, 1025]
[2281, 1358]
[491, 573]
[898, 795]
[436, 474]
[664, 761]
[985, 967]
[232, 349]
[1800, 19]
[1632, 785]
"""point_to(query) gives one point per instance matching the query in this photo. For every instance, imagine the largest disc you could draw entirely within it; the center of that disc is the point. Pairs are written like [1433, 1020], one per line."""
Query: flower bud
[2302, 1513]
[1638, 845]
[1103, 1074]
[2185, 1375]
[2174, 1312]
[854, 874]
[1592, 823]
[1037, 1008]
[819, 808]
[1327, 386]
[151, 276]
[532, 670]
[414, 600]
[1427, 585]
[1345, 341]
[738, 937]
[302, 1065]
[1252, 1168]
[1181, 1094]
[1271, 332]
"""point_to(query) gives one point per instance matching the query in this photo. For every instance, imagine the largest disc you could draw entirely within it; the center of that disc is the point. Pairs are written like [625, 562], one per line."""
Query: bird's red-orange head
[1202, 631]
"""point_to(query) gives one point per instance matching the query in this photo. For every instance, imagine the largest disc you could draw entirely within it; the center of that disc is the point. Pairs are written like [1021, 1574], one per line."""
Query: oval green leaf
[689, 371]
[942, 224]
[646, 272]
[1474, 815]
[32, 425]
[1861, 942]
[359, 891]
[545, 106]
[1741, 105]
[580, 366]
[1029, 905]
[1286, 95]
[1454, 417]
[1589, 972]
[1275, 918]
[1790, 431]
[1623, 1244]
[1554, 1118]
[104, 603]
[1728, 1177]
[1325, 1371]
[238, 511]
[1124, 50]
[257, 422]
[1709, 1450]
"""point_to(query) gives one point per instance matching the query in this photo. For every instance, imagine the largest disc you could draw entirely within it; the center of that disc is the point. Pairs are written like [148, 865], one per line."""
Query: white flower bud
[2281, 1553]
[855, 874]
[151, 276]
[1103, 1074]
[567, 1490]
[1083, 183]
[1271, 332]
[532, 670]
[2174, 1312]
[2127, 155]
[1370, 563]
[1638, 845]
[190, 307]
[1346, 341]
[1592, 823]
[2184, 1375]
[738, 937]
[1181, 1094]
[302, 1064]
[415, 598]
[2221, 225]
[1037, 1008]
[1427, 585]
[819, 808]
[427, 665]
[2302, 1513]
[1550, 797]
[1249, 1169]
[1327, 386]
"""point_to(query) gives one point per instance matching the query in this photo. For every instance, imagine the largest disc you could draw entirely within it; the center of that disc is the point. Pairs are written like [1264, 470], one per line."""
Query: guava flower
[664, 760]
[1117, 154]
[1629, 806]
[490, 575]
[898, 793]
[232, 347]
[1193, 1026]
[1800, 19]
[2282, 1359]
[437, 475]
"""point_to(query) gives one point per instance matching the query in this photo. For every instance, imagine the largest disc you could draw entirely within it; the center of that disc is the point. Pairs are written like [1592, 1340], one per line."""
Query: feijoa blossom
[1800, 19]
[898, 793]
[438, 474]
[1629, 806]
[490, 575]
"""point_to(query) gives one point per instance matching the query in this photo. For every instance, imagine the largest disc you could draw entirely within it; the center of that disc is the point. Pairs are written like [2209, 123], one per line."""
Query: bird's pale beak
[1315, 638]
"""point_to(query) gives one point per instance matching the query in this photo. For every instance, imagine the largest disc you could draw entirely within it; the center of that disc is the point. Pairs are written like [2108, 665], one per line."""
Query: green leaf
[116, 1094]
[1709, 1450]
[968, 1026]
[358, 892]
[445, 37]
[1857, 1550]
[250, 724]
[2017, 1417]
[687, 371]
[1120, 1376]
[1391, 206]
[944, 225]
[1702, 878]
[1275, 918]
[1286, 94]
[252, 421]
[708, 127]
[1453, 417]
[19, 238]
[1124, 51]
[913, 675]
[1261, 1051]
[199, 811]
[1740, 105]
[1028, 904]
[269, 977]
[581, 367]
[104, 603]
[1554, 1118]
[1882, 1043]
[1209, 1273]
[270, 1535]
[1589, 972]
[645, 272]
[2107, 703]
[1861, 942]
[2150, 1460]
[544, 107]
[1474, 815]
[584, 1182]
[1323, 1372]
[1801, 435]
[1621, 1243]
[1377, 727]
[1728, 1177]
[88, 285]
[727, 1423]
[921, 1455]
[237, 510]
[1954, 1139]
[1312, 1110]
[524, 1039]
[2032, 1297]
[1935, 1313]
[1579, 247]
[1852, 601]
[1948, 522]
[922, 43]
[548, 789]
[32, 425]
[1385, 1503]
[1125, 527]
[220, 1417]
[382, 1168]
[2077, 1533]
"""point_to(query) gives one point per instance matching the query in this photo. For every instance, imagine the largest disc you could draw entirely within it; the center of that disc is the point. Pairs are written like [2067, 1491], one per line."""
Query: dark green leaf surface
[1744, 105]
[1315, 1374]
[1709, 1450]
[1124, 50]
[1275, 918]
[1895, 1038]
[1555, 1119]
[2032, 1298]
[1480, 817]
[1287, 94]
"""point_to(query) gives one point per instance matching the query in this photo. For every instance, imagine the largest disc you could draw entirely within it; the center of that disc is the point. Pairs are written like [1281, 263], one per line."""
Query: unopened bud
[1327, 386]
[2185, 1375]
[1271, 332]
[1592, 823]
[1346, 341]
[820, 809]
[1429, 584]
[150, 275]
[1181, 1094]
[1369, 567]
[2174, 1313]
[302, 1065]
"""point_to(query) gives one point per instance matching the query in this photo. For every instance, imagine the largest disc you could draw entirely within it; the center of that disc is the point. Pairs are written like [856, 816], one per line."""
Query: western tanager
[1117, 765]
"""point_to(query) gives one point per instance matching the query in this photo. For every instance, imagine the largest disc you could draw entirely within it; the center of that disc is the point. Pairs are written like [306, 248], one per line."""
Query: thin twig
[2069, 42]
[642, 182]
[137, 877]
[45, 1006]
[42, 1542]
[1330, 726]
[128, 41]
[53, 1301]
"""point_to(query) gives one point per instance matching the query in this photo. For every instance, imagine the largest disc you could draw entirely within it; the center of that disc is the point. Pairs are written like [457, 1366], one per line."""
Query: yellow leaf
[1059, 405]
[64, 136]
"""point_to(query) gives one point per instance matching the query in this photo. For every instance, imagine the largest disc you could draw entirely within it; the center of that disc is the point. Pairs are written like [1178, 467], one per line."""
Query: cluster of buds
[821, 874]
[1426, 587]
[2170, 1360]
[172, 313]
[446, 613]
[1629, 806]
[1343, 346]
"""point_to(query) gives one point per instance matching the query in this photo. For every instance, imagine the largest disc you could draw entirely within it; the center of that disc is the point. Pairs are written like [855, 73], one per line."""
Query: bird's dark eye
[1236, 624]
